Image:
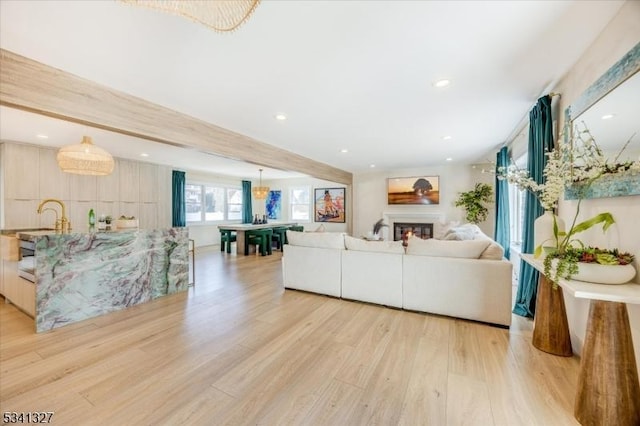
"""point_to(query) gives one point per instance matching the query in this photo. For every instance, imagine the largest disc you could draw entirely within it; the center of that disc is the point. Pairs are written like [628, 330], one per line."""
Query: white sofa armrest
[312, 269]
[464, 288]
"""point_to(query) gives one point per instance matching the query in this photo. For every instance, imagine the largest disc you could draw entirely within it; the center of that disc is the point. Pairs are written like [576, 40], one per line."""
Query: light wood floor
[239, 349]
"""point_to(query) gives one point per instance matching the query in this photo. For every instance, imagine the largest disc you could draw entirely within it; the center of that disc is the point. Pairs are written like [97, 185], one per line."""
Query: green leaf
[605, 218]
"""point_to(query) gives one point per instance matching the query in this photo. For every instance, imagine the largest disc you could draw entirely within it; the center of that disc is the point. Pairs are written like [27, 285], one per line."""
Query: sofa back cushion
[359, 244]
[471, 249]
[330, 240]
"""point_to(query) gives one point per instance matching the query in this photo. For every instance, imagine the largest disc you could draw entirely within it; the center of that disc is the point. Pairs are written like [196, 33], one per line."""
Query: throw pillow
[358, 244]
[440, 229]
[470, 249]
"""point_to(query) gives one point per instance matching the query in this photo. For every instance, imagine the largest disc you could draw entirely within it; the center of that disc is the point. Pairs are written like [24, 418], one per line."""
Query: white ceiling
[353, 75]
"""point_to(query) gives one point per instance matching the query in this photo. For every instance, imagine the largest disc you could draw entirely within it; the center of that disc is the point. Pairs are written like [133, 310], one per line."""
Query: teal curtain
[540, 142]
[179, 213]
[502, 225]
[247, 211]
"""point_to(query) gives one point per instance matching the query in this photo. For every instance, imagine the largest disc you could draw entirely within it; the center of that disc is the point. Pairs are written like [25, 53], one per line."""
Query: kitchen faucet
[63, 223]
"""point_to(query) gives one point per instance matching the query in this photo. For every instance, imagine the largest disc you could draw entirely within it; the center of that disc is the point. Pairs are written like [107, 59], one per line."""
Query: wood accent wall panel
[32, 86]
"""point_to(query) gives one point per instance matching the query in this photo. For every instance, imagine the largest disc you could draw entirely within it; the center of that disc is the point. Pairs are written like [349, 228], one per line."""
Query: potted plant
[565, 251]
[591, 264]
[473, 202]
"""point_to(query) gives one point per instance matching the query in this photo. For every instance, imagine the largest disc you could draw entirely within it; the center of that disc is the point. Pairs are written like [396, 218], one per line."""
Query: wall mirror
[610, 109]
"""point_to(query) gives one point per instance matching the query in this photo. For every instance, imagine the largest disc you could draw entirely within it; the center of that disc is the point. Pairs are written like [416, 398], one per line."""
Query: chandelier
[260, 192]
[220, 15]
[85, 159]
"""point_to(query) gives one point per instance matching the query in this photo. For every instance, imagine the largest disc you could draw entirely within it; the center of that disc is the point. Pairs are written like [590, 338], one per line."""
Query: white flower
[576, 160]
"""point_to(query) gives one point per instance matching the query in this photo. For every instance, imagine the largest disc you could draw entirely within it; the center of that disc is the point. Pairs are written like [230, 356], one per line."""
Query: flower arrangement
[576, 159]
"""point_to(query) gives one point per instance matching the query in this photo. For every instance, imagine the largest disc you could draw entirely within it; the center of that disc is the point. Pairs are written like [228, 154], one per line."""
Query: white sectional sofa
[463, 279]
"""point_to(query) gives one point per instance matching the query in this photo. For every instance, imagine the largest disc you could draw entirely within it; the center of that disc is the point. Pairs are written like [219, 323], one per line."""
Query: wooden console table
[608, 388]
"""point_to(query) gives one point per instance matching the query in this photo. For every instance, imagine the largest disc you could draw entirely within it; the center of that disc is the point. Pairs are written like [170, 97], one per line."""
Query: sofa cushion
[471, 249]
[330, 240]
[359, 244]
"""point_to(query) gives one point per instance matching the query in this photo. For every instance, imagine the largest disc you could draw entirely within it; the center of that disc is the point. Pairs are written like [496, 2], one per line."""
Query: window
[516, 207]
[300, 204]
[208, 203]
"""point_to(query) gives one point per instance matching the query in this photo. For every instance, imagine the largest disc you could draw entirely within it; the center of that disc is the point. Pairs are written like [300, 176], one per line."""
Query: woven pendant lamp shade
[219, 15]
[260, 192]
[85, 159]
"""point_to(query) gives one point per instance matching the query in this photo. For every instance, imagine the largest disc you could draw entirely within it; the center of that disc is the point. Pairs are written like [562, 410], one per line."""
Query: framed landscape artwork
[413, 190]
[329, 205]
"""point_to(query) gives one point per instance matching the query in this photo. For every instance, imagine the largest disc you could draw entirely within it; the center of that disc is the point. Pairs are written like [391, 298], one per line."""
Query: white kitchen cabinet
[164, 196]
[148, 183]
[129, 181]
[148, 216]
[83, 187]
[109, 186]
[21, 164]
[54, 183]
[21, 214]
[78, 214]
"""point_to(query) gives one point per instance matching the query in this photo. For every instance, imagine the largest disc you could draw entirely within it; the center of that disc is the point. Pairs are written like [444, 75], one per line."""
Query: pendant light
[260, 192]
[85, 159]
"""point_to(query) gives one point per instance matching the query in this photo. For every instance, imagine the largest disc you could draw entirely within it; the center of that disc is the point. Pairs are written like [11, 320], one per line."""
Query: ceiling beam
[35, 87]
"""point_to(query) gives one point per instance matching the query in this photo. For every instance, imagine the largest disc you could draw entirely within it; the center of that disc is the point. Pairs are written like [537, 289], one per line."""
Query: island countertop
[81, 275]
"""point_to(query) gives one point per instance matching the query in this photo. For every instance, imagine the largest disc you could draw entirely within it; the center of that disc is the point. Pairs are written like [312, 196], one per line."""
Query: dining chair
[226, 238]
[260, 238]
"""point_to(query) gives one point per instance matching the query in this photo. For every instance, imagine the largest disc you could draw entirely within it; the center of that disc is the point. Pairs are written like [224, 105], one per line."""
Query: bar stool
[227, 237]
[280, 236]
[258, 237]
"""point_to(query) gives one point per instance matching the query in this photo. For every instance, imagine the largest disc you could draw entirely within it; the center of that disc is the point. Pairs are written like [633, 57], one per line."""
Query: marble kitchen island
[84, 275]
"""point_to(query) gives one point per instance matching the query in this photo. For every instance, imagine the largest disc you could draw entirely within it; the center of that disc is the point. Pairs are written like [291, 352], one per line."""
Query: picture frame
[329, 205]
[273, 205]
[414, 190]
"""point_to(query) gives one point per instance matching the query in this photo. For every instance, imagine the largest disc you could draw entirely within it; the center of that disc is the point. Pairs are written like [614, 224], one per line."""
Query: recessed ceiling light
[144, 154]
[42, 136]
[344, 150]
[442, 83]
[280, 117]
[372, 165]
[446, 138]
[449, 159]
[608, 116]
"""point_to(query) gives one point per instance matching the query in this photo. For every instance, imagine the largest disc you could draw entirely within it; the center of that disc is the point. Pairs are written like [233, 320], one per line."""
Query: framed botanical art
[413, 190]
[329, 205]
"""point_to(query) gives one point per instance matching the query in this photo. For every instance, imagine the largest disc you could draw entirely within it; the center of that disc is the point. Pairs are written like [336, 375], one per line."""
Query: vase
[543, 230]
[604, 274]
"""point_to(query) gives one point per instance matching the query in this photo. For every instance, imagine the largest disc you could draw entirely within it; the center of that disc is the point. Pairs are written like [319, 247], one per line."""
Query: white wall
[370, 195]
[622, 33]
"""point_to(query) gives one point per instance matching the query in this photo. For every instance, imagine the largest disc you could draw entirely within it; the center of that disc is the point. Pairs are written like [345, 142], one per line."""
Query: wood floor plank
[384, 394]
[426, 396]
[468, 402]
[239, 349]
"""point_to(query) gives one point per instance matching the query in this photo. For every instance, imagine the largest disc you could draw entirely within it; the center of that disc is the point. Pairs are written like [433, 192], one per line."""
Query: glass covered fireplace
[402, 231]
